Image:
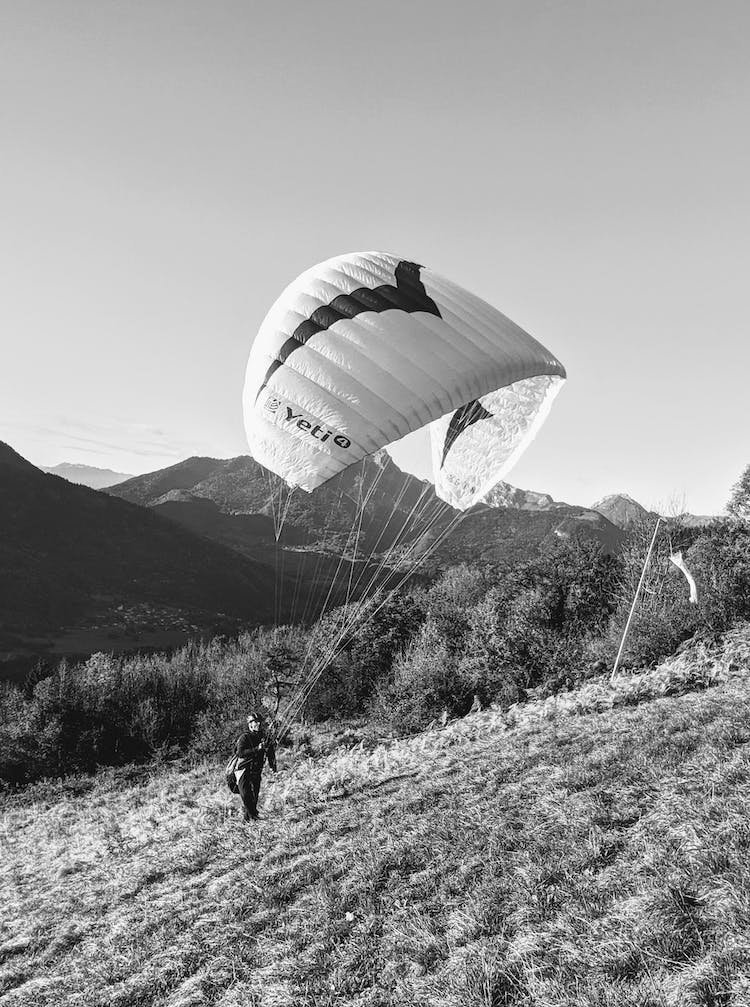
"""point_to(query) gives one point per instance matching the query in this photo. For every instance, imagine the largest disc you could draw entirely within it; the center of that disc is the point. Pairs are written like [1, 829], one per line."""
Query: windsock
[679, 562]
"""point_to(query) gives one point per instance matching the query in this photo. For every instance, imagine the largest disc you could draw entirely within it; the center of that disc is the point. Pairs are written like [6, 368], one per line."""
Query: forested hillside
[73, 559]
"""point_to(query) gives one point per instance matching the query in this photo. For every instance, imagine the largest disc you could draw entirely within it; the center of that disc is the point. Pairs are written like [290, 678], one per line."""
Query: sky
[168, 166]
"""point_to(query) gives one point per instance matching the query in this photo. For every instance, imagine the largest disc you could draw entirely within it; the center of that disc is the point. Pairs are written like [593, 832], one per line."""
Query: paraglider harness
[259, 754]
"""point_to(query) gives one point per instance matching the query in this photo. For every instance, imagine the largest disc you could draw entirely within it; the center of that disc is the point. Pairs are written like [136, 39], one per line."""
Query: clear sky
[169, 165]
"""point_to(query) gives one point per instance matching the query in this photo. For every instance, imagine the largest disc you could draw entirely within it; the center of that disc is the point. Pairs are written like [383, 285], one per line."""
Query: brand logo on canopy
[291, 415]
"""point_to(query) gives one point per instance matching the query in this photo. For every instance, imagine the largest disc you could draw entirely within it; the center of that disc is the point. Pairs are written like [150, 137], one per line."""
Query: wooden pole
[635, 599]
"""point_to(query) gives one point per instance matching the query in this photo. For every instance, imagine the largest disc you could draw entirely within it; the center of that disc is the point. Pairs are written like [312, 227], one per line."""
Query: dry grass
[588, 852]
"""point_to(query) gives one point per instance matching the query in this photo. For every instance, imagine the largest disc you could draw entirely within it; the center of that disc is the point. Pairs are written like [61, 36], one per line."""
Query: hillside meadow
[588, 849]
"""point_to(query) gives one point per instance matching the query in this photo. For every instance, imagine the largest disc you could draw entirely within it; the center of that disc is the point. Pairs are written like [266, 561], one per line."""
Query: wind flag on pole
[679, 562]
[635, 599]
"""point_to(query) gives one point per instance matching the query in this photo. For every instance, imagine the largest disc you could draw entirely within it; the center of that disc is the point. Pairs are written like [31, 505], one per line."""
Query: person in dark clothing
[253, 748]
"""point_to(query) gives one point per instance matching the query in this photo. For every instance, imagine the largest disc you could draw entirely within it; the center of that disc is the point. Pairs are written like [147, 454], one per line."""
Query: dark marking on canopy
[408, 295]
[469, 413]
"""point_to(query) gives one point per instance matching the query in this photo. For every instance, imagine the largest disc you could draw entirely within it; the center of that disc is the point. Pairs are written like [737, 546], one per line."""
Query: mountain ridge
[77, 561]
[214, 478]
[11, 459]
[622, 510]
[626, 513]
[239, 487]
[86, 475]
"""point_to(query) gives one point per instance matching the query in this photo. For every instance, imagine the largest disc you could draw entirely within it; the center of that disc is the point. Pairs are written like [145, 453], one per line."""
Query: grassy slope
[550, 856]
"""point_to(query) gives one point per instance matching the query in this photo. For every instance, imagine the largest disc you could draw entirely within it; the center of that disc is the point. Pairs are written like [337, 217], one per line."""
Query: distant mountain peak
[184, 475]
[87, 475]
[615, 497]
[621, 509]
[505, 495]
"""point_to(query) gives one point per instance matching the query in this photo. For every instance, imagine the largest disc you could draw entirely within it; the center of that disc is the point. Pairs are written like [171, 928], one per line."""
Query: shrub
[449, 602]
[424, 683]
[257, 669]
[380, 629]
[549, 615]
[739, 503]
[656, 633]
[719, 560]
[18, 754]
[113, 709]
[663, 616]
[484, 666]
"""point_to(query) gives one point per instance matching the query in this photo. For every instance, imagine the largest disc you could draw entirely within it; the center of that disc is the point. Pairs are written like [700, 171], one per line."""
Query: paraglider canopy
[367, 347]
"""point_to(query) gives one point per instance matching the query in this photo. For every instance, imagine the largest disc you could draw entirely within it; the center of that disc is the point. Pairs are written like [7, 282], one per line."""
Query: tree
[422, 685]
[739, 502]
[484, 666]
[281, 664]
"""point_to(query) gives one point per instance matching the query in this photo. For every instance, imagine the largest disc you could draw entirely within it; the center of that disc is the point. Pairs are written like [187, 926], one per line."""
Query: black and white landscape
[421, 737]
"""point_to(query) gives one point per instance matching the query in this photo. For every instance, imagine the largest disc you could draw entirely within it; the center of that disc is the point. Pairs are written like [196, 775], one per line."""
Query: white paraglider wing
[364, 348]
[473, 447]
